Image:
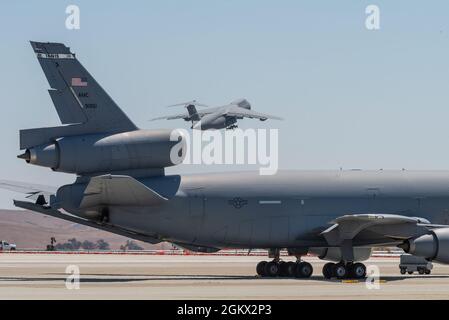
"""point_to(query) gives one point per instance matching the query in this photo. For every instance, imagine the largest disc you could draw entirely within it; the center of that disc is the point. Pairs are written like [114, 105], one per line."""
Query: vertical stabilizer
[77, 97]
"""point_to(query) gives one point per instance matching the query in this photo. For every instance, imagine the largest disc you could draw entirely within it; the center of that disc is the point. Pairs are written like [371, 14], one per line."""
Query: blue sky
[350, 97]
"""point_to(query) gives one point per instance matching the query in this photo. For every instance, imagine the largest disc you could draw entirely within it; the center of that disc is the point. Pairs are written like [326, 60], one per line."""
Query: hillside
[33, 231]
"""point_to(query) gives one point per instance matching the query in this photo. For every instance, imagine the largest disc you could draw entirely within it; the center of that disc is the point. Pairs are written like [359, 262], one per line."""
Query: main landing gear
[271, 269]
[278, 268]
[343, 270]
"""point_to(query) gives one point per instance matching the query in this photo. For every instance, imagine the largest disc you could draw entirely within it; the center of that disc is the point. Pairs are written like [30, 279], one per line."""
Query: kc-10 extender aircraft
[121, 187]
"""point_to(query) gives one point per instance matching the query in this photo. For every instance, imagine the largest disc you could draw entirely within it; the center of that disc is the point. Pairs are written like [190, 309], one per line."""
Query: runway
[111, 276]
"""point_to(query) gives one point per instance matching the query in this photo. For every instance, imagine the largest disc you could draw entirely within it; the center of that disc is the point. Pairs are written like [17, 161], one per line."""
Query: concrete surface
[43, 276]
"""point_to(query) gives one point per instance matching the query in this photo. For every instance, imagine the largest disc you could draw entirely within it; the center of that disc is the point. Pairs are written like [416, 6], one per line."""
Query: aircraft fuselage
[286, 210]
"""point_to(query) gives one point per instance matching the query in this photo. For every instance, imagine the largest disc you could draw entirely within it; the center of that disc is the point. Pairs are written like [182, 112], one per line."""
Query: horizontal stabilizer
[120, 191]
[34, 137]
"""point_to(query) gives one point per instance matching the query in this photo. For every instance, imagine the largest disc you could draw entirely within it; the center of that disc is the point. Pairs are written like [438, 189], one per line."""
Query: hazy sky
[351, 97]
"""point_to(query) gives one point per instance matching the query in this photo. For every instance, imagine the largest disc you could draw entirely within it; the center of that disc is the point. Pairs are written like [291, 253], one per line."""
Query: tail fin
[193, 113]
[77, 97]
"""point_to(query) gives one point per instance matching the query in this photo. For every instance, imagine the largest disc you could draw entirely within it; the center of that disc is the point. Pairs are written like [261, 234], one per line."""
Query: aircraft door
[197, 206]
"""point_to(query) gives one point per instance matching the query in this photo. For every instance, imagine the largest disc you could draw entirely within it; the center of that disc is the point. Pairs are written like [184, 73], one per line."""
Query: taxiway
[114, 276]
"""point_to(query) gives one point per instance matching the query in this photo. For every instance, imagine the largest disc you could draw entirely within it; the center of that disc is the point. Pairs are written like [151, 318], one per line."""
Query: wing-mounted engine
[351, 231]
[432, 246]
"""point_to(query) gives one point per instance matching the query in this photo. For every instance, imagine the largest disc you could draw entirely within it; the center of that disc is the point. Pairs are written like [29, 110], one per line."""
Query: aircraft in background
[218, 117]
[121, 187]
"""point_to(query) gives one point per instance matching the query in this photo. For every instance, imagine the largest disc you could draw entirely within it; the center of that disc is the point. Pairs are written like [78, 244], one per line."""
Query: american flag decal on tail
[79, 82]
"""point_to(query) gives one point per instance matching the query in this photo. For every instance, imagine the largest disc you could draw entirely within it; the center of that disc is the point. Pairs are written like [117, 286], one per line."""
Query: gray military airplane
[218, 117]
[121, 187]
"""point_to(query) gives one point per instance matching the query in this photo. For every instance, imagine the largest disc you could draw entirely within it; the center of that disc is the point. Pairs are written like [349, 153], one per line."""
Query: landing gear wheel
[358, 270]
[340, 271]
[261, 268]
[271, 269]
[291, 269]
[328, 270]
[304, 270]
[283, 271]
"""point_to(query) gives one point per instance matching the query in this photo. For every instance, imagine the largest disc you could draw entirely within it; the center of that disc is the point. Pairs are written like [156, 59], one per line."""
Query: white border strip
[55, 55]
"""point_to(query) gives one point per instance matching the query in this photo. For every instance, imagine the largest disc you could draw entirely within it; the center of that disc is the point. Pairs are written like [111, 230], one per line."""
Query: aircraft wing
[366, 229]
[33, 191]
[120, 191]
[105, 227]
[95, 188]
[186, 116]
[235, 111]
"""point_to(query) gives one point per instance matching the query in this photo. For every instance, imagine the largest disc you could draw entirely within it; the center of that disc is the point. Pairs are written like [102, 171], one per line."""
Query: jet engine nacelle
[432, 246]
[334, 253]
[102, 153]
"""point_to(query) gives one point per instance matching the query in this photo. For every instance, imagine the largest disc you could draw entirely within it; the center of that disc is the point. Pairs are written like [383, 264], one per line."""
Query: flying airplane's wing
[236, 111]
[33, 191]
[365, 229]
[120, 191]
[186, 116]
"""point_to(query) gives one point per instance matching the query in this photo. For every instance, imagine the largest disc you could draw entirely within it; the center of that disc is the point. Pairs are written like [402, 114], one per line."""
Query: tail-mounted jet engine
[432, 246]
[99, 153]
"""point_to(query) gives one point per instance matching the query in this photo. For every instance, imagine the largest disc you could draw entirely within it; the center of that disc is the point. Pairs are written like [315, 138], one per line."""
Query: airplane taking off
[218, 117]
[121, 187]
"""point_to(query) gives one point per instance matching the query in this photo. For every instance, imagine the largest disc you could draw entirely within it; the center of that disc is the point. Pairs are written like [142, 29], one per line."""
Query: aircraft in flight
[224, 117]
[121, 187]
